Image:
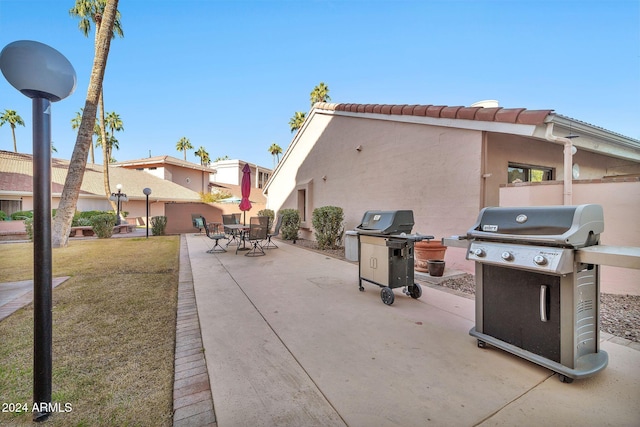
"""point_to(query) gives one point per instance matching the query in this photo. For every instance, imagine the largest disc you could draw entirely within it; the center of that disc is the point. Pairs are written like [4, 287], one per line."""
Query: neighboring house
[230, 172]
[16, 188]
[444, 163]
[190, 175]
[168, 198]
[224, 176]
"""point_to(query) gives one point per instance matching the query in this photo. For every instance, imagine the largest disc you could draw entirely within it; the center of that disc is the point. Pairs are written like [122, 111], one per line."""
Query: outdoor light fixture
[43, 74]
[147, 192]
[118, 197]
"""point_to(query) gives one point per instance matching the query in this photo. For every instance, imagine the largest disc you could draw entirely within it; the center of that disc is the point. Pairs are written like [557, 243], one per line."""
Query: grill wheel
[387, 295]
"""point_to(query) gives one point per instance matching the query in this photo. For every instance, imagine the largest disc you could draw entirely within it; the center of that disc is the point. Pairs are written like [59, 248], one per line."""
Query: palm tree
[92, 11]
[296, 121]
[275, 151]
[183, 145]
[75, 124]
[320, 93]
[11, 117]
[113, 122]
[78, 163]
[204, 156]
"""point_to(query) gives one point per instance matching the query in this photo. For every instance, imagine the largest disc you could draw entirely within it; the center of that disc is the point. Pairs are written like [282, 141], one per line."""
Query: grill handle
[543, 302]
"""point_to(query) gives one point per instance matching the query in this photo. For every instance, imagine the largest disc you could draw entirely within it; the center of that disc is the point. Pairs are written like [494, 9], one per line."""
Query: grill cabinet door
[512, 309]
[374, 259]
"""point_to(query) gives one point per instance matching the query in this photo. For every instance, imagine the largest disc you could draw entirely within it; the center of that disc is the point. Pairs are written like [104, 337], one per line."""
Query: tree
[204, 156]
[296, 121]
[113, 122]
[275, 151]
[320, 93]
[75, 124]
[92, 11]
[183, 145]
[11, 117]
[77, 165]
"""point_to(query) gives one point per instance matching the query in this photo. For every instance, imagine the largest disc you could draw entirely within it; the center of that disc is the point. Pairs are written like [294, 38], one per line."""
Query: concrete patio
[290, 341]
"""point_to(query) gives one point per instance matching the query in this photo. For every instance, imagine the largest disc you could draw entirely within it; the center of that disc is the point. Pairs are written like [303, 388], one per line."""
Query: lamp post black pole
[147, 221]
[118, 195]
[146, 192]
[43, 74]
[42, 260]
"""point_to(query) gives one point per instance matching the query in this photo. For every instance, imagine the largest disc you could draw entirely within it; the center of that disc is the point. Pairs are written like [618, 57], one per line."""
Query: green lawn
[113, 332]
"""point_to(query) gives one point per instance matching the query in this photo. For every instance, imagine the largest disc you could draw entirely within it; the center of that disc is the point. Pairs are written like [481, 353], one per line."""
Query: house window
[529, 173]
[302, 203]
[263, 177]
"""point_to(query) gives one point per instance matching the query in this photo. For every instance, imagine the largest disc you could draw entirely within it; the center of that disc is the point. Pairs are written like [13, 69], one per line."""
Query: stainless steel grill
[386, 252]
[533, 297]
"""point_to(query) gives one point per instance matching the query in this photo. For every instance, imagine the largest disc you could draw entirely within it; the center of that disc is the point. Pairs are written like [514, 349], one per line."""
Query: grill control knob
[479, 252]
[540, 260]
[507, 256]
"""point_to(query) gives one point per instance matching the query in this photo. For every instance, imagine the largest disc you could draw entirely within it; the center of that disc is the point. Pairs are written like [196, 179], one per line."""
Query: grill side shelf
[614, 256]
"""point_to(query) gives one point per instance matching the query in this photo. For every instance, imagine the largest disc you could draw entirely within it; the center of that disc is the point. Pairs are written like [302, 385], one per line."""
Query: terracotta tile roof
[497, 114]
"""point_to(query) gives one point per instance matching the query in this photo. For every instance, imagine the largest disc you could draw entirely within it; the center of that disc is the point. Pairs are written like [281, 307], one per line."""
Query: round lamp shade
[37, 70]
[147, 191]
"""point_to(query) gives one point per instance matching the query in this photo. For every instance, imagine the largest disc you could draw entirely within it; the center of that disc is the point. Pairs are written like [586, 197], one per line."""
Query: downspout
[568, 176]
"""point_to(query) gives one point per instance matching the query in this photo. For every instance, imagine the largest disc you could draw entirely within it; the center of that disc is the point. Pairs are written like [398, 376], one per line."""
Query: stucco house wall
[363, 165]
[444, 163]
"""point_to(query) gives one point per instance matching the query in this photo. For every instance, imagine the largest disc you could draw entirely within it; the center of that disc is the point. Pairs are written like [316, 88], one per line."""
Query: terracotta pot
[436, 267]
[426, 250]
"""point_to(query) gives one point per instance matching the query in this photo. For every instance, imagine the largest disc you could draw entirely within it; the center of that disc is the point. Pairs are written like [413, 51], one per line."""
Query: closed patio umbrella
[245, 188]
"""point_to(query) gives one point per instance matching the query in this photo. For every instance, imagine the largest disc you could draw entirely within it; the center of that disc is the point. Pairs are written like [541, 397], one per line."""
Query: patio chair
[215, 236]
[196, 220]
[276, 232]
[233, 235]
[258, 229]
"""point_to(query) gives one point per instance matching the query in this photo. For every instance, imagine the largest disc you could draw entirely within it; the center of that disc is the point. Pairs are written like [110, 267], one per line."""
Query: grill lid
[386, 222]
[569, 226]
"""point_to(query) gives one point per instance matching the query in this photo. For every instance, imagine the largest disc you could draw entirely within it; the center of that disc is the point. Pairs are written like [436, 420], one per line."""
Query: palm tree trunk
[105, 152]
[13, 132]
[75, 174]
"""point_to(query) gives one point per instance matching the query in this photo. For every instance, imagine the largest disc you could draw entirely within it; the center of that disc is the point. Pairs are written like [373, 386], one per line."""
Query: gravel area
[619, 314]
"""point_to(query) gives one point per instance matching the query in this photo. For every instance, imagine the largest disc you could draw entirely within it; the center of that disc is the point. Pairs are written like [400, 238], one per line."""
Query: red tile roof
[497, 114]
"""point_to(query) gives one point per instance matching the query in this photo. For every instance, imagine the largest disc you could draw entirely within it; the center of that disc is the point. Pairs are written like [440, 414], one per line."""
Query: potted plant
[427, 250]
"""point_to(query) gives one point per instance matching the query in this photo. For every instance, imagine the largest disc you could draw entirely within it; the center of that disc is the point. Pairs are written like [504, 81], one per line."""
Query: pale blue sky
[229, 75]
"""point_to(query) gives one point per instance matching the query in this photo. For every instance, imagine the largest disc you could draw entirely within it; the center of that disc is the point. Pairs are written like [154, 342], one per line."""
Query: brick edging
[192, 400]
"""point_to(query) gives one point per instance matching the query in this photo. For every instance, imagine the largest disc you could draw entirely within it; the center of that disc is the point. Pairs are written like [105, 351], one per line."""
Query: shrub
[3, 216]
[28, 226]
[158, 225]
[327, 223]
[84, 218]
[21, 215]
[103, 225]
[290, 224]
[269, 213]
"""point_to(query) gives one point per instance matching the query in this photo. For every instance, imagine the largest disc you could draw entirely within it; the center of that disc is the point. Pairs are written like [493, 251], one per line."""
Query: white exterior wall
[433, 171]
[230, 172]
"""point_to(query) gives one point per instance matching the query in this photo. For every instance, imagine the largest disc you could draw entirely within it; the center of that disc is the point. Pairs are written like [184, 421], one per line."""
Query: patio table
[243, 230]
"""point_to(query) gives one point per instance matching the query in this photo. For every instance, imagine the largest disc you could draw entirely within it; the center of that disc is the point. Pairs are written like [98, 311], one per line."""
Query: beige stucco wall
[431, 170]
[503, 148]
[193, 179]
[621, 204]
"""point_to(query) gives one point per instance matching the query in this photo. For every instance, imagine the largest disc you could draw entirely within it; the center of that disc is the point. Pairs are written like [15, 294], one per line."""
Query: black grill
[533, 298]
[386, 252]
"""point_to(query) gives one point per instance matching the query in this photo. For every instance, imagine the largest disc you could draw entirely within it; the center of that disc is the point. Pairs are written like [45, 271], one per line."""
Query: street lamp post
[43, 74]
[147, 192]
[118, 196]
